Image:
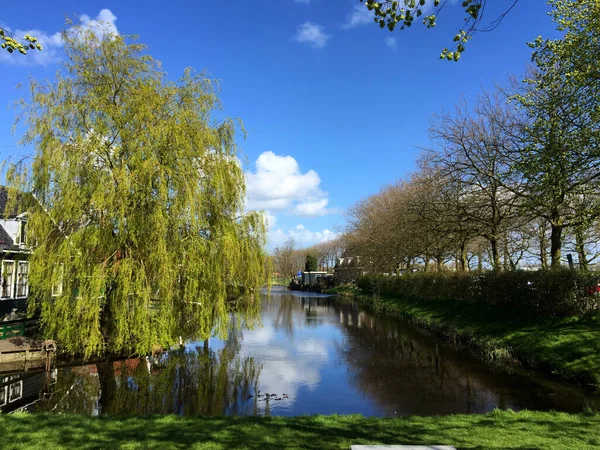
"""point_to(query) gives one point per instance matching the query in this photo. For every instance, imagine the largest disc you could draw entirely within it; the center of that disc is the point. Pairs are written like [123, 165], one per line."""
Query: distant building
[311, 278]
[348, 269]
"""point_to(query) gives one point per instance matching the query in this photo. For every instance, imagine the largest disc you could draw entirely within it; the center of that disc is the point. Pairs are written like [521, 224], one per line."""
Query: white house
[14, 253]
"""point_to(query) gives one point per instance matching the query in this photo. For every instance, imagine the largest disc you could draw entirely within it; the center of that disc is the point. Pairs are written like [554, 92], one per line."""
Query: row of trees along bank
[556, 292]
[510, 181]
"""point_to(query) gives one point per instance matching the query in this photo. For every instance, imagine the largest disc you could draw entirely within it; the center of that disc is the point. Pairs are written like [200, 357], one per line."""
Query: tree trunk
[438, 264]
[463, 258]
[495, 253]
[543, 253]
[580, 247]
[108, 386]
[543, 245]
[555, 245]
[506, 261]
[479, 262]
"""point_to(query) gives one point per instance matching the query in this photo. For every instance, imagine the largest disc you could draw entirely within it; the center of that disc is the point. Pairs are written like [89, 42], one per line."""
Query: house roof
[6, 242]
[5, 239]
[16, 207]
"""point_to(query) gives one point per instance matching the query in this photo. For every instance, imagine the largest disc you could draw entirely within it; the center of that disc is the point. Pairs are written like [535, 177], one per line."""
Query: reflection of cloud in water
[313, 348]
[286, 377]
[258, 336]
[291, 359]
[285, 368]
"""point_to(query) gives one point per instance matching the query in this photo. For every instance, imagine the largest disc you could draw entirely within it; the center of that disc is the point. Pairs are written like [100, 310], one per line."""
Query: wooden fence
[14, 328]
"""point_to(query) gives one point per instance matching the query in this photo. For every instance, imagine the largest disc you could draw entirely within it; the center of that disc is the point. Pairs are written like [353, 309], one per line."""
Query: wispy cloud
[312, 34]
[391, 42]
[360, 15]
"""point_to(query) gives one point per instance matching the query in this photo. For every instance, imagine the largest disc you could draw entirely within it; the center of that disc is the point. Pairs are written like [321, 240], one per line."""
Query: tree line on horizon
[287, 259]
[512, 180]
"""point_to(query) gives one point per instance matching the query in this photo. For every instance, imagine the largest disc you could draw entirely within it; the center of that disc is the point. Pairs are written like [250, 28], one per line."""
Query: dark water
[312, 354]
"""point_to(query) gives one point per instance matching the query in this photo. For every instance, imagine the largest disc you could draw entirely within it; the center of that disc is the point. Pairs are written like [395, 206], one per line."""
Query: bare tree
[473, 149]
[287, 260]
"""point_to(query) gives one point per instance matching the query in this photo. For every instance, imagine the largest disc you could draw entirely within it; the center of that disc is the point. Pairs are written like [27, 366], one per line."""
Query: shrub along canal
[312, 354]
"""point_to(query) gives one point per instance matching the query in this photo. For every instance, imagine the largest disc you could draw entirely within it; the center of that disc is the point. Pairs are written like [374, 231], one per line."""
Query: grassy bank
[279, 281]
[497, 430]
[566, 347]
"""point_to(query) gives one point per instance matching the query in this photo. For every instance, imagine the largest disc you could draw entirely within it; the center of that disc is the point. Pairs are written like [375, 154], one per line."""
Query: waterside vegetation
[565, 346]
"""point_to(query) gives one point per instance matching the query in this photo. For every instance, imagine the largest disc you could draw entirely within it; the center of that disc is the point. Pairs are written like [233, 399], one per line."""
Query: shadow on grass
[497, 430]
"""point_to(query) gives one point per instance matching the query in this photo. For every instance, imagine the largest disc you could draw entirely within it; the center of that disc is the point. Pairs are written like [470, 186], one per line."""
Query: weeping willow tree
[139, 230]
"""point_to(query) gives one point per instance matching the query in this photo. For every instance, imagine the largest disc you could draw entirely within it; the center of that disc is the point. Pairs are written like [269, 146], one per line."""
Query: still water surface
[312, 354]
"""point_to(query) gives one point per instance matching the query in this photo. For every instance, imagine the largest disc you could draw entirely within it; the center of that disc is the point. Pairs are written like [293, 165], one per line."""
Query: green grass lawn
[568, 347]
[498, 430]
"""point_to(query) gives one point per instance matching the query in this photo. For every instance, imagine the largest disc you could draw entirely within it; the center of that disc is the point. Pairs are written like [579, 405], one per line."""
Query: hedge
[549, 292]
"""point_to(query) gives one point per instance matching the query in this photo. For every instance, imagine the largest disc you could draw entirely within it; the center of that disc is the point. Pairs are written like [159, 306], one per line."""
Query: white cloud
[102, 25]
[302, 236]
[52, 44]
[312, 34]
[316, 208]
[279, 185]
[391, 42]
[360, 15]
[271, 220]
[276, 186]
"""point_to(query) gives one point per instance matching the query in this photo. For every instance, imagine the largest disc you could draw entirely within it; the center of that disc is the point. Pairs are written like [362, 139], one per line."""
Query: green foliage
[572, 58]
[548, 292]
[10, 42]
[312, 263]
[140, 214]
[344, 290]
[402, 14]
[560, 161]
[495, 430]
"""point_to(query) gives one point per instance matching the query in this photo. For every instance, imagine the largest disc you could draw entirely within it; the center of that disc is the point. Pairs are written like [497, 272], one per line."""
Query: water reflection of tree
[316, 308]
[286, 306]
[406, 371]
[182, 382]
[292, 311]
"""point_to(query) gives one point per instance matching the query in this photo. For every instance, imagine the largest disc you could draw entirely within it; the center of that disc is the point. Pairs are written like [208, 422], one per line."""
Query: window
[23, 279]
[8, 277]
[57, 283]
[15, 390]
[22, 234]
[3, 395]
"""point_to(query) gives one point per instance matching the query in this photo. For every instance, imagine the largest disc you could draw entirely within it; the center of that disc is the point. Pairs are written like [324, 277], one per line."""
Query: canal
[311, 354]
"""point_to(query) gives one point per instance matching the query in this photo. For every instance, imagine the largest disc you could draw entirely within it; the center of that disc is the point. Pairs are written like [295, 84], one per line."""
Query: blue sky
[334, 107]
